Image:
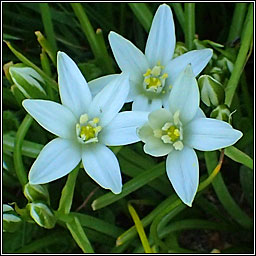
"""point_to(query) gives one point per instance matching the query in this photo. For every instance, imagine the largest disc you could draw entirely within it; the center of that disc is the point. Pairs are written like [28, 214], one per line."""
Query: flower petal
[161, 39]
[158, 118]
[197, 58]
[210, 134]
[57, 158]
[122, 130]
[98, 84]
[102, 166]
[74, 90]
[200, 114]
[128, 57]
[183, 172]
[145, 132]
[143, 103]
[53, 116]
[184, 96]
[156, 147]
[107, 103]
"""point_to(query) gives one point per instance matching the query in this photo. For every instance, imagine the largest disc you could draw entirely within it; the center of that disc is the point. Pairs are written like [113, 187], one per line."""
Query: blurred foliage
[221, 216]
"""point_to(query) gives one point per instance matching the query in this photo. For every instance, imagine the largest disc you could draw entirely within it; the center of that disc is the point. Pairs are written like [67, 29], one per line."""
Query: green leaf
[79, 235]
[246, 180]
[238, 156]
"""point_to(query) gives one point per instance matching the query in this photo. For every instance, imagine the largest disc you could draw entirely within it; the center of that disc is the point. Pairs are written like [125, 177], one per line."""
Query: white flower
[152, 75]
[83, 126]
[182, 126]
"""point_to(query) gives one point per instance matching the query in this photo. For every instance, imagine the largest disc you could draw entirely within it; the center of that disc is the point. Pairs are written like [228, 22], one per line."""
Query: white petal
[128, 57]
[161, 40]
[145, 132]
[183, 172]
[98, 84]
[102, 166]
[57, 158]
[74, 90]
[197, 58]
[134, 90]
[122, 130]
[210, 134]
[184, 96]
[53, 116]
[159, 117]
[108, 102]
[200, 113]
[143, 103]
[156, 147]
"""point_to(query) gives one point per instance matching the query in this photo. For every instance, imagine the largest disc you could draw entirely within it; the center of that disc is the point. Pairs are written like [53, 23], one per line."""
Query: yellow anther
[163, 92]
[170, 86]
[95, 120]
[147, 81]
[173, 133]
[87, 132]
[147, 73]
[164, 76]
[176, 132]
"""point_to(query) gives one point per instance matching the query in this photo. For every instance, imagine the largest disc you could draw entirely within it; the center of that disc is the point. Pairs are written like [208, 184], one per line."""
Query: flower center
[171, 132]
[154, 80]
[87, 130]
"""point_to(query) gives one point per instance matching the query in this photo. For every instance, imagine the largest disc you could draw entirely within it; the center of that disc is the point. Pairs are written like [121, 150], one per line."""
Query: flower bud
[42, 214]
[6, 68]
[179, 49]
[221, 112]
[11, 222]
[28, 81]
[212, 92]
[36, 192]
[225, 64]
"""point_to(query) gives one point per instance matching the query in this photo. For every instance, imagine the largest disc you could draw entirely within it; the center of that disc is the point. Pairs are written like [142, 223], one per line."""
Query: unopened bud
[221, 112]
[42, 214]
[11, 221]
[212, 92]
[36, 192]
[28, 81]
[179, 49]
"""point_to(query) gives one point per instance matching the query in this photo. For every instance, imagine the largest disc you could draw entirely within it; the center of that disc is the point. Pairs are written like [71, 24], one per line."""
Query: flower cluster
[165, 113]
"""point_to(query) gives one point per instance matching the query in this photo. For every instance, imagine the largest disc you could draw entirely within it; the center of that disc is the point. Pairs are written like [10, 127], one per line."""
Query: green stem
[241, 57]
[48, 26]
[189, 25]
[17, 153]
[68, 192]
[237, 21]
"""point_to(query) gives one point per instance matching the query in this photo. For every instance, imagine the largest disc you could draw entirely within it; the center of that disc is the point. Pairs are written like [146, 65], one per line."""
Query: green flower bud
[36, 192]
[28, 81]
[6, 68]
[179, 49]
[221, 112]
[42, 214]
[225, 64]
[212, 92]
[11, 222]
[217, 73]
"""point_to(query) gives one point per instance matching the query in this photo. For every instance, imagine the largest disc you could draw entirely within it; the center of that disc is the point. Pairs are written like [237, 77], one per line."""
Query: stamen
[83, 119]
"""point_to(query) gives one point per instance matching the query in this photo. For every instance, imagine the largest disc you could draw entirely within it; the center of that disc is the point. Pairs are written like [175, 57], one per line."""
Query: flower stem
[17, 153]
[68, 192]
[189, 25]
[242, 57]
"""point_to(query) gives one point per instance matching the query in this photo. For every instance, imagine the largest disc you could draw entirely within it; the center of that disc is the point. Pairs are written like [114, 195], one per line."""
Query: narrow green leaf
[48, 27]
[140, 229]
[130, 186]
[79, 235]
[224, 196]
[241, 59]
[238, 156]
[143, 14]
